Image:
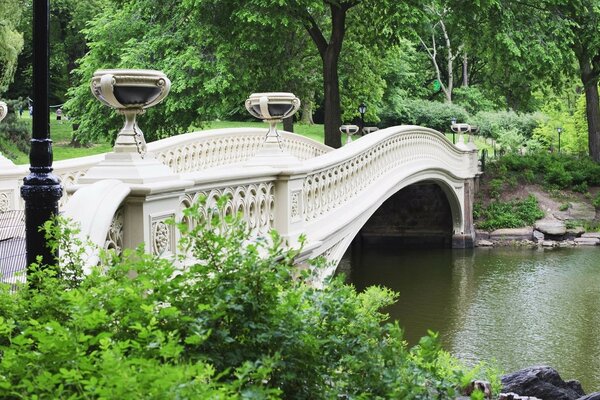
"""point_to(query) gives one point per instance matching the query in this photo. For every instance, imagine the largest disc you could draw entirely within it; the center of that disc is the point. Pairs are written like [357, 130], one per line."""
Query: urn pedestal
[349, 130]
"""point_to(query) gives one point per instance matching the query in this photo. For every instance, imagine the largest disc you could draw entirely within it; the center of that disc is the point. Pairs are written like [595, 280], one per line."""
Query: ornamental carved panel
[162, 234]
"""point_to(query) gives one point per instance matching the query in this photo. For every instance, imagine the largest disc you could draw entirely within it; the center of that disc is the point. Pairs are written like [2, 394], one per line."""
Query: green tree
[11, 40]
[545, 39]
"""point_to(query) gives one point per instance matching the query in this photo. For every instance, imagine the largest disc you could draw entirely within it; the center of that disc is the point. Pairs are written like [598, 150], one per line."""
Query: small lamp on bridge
[362, 109]
[559, 130]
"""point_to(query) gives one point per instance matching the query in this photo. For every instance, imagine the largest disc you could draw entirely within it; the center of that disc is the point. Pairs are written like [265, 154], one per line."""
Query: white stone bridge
[124, 199]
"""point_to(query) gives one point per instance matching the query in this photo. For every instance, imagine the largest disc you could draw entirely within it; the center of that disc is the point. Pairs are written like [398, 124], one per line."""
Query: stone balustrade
[327, 196]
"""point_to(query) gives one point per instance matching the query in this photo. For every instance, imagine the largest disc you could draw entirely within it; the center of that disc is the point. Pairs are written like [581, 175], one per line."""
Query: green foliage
[596, 200]
[556, 170]
[499, 123]
[234, 319]
[14, 133]
[432, 114]
[11, 41]
[510, 214]
[473, 99]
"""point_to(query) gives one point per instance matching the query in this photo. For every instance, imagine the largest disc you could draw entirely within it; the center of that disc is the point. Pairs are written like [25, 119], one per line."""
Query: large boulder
[543, 382]
[553, 228]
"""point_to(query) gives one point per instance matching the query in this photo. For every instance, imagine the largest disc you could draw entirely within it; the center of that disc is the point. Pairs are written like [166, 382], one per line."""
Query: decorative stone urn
[272, 108]
[370, 129]
[3, 110]
[349, 130]
[130, 92]
[460, 129]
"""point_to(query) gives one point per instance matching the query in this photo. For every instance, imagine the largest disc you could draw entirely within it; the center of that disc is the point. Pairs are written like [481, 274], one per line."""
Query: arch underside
[336, 237]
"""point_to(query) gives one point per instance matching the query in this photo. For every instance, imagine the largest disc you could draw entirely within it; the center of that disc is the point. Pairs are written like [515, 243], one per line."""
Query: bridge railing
[188, 152]
[334, 179]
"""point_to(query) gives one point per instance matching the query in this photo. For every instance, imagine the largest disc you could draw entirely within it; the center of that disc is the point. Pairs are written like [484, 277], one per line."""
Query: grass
[314, 132]
[61, 142]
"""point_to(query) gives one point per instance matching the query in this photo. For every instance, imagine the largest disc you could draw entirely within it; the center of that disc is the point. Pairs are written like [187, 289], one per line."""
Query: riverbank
[516, 206]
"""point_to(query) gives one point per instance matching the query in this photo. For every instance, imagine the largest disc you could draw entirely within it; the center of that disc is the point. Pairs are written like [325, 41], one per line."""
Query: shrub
[596, 200]
[431, 114]
[496, 124]
[512, 214]
[14, 133]
[232, 323]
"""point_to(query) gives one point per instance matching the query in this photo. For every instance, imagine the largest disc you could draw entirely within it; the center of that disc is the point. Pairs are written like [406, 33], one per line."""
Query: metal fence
[12, 246]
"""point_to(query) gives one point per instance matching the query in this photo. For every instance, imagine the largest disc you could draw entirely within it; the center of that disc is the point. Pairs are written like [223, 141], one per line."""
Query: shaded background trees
[493, 55]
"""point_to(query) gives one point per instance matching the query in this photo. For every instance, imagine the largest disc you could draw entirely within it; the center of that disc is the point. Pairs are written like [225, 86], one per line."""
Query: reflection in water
[518, 307]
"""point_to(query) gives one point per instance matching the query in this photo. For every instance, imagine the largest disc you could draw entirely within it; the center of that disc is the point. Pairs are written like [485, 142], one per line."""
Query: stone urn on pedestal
[130, 92]
[460, 129]
[272, 108]
[349, 130]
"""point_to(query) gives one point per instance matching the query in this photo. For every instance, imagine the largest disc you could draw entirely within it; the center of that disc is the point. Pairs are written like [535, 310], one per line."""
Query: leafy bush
[511, 214]
[230, 324]
[555, 170]
[14, 133]
[596, 200]
[499, 123]
[431, 114]
[473, 99]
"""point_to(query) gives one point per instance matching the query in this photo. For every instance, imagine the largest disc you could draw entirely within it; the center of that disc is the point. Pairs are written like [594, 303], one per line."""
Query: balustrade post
[289, 215]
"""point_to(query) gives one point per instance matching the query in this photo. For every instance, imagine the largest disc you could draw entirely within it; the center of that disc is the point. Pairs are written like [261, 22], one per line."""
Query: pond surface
[519, 307]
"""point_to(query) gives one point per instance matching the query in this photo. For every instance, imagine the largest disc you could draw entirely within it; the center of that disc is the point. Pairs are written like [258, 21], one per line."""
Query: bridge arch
[452, 186]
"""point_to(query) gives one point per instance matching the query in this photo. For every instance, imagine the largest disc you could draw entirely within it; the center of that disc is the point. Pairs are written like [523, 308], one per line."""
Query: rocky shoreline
[543, 234]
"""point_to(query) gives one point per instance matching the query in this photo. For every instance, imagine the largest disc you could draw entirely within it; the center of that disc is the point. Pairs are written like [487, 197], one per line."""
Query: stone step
[591, 235]
[512, 234]
[587, 241]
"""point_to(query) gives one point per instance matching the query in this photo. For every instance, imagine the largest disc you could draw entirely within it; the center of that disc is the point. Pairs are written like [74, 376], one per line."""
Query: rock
[587, 241]
[512, 234]
[554, 228]
[576, 232]
[538, 236]
[541, 381]
[484, 243]
[591, 235]
[548, 243]
[483, 235]
[591, 396]
[582, 211]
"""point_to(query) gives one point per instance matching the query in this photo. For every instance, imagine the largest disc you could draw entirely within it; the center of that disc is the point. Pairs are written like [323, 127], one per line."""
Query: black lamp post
[41, 189]
[453, 120]
[559, 130]
[362, 109]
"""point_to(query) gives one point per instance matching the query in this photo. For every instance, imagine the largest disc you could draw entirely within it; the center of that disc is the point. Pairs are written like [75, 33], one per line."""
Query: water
[519, 307]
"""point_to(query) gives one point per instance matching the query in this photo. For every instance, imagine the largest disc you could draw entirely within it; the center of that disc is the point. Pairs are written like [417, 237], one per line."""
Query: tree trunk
[307, 111]
[330, 54]
[592, 111]
[465, 70]
[589, 78]
[333, 111]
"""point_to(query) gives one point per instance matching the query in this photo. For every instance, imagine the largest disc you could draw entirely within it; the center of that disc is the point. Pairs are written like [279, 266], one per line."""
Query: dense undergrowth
[240, 321]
